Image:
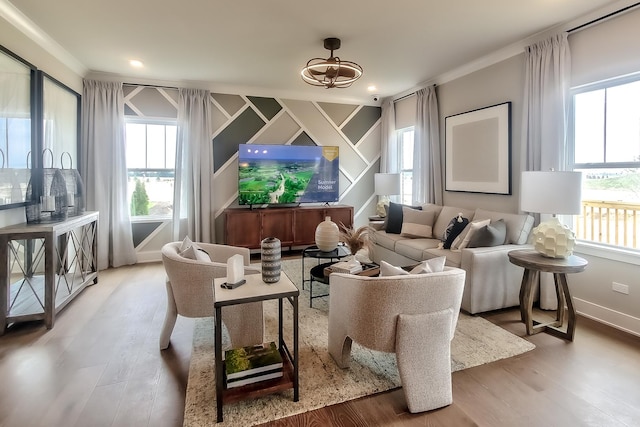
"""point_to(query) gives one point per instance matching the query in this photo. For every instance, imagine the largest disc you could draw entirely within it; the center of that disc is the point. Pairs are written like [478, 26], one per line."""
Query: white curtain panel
[545, 119]
[194, 168]
[104, 169]
[389, 162]
[427, 169]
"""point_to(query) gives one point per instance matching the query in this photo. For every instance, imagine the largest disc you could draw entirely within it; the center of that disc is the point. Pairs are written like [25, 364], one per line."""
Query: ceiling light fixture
[331, 72]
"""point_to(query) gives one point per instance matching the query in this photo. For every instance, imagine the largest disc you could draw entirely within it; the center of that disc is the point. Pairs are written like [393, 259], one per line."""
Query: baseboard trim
[149, 256]
[605, 315]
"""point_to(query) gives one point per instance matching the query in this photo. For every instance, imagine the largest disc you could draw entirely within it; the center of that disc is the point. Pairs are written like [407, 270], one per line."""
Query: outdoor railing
[613, 223]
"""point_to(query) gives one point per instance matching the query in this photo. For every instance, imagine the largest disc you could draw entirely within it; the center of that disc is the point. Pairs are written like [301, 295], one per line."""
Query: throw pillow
[463, 238]
[493, 234]
[455, 227]
[394, 217]
[195, 252]
[433, 265]
[387, 269]
[417, 223]
[185, 244]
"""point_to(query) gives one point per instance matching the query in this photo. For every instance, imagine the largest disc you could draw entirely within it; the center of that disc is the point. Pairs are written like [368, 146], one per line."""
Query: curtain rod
[146, 85]
[602, 18]
[411, 94]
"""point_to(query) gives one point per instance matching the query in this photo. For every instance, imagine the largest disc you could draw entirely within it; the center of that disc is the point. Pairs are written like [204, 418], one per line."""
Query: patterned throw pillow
[455, 227]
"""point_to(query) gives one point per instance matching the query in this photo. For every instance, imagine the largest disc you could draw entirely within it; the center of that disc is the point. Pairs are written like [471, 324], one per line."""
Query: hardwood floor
[100, 366]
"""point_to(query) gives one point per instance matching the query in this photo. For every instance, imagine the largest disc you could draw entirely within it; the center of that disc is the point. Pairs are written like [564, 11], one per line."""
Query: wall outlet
[619, 287]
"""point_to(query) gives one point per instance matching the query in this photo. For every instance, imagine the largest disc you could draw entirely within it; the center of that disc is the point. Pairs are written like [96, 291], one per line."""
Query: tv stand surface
[294, 226]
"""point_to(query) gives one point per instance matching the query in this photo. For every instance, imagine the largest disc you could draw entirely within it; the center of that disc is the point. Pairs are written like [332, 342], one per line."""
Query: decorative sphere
[553, 239]
[327, 235]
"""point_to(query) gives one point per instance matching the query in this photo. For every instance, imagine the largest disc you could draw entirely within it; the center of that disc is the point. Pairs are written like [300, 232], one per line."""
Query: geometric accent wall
[240, 119]
[259, 120]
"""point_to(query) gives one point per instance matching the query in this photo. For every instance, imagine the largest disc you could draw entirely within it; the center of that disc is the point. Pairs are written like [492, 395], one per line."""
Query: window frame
[591, 247]
[399, 135]
[150, 121]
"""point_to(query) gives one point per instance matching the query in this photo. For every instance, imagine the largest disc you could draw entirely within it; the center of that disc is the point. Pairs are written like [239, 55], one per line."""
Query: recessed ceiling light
[136, 64]
[372, 88]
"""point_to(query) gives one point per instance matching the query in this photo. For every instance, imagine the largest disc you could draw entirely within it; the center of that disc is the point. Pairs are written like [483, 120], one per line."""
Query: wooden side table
[534, 263]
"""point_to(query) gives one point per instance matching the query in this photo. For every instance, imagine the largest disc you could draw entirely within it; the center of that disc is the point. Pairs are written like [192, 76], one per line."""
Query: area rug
[477, 341]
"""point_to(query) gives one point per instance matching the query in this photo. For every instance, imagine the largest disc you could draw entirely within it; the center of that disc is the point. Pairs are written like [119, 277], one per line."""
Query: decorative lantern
[75, 188]
[46, 194]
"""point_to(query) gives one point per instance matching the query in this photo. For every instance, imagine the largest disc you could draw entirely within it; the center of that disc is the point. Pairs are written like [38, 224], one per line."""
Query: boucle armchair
[414, 316]
[190, 293]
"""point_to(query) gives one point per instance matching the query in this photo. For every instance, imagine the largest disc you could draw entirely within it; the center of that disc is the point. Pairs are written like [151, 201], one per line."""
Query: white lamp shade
[551, 192]
[387, 184]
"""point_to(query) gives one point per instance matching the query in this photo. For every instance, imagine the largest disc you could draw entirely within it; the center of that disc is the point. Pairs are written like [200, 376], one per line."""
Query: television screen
[284, 174]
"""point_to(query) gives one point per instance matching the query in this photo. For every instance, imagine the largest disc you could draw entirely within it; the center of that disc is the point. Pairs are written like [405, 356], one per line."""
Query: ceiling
[259, 47]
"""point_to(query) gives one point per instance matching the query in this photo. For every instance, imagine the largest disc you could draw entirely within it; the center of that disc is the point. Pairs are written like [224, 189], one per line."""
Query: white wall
[600, 51]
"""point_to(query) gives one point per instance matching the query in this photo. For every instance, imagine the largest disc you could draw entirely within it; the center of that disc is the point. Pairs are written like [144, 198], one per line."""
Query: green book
[248, 361]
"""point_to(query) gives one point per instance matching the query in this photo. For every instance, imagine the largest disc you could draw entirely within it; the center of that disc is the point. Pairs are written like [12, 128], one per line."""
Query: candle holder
[46, 194]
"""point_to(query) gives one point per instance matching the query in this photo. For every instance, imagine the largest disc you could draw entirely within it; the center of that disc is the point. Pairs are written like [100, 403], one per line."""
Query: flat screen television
[287, 174]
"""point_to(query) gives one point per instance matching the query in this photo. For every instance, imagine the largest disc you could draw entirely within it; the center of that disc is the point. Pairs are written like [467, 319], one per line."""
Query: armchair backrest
[191, 280]
[370, 306]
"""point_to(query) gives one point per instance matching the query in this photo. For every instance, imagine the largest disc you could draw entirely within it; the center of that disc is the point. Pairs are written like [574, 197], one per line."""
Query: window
[405, 147]
[151, 148]
[606, 149]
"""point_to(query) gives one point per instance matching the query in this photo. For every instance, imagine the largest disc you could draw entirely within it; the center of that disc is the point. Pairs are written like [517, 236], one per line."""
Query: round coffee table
[317, 275]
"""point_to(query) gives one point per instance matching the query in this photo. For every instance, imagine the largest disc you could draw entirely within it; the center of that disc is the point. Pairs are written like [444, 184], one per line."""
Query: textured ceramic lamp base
[553, 240]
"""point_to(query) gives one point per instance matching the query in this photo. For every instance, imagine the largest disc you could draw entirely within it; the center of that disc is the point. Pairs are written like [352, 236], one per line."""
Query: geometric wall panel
[240, 131]
[230, 103]
[303, 139]
[360, 124]
[152, 102]
[278, 131]
[269, 107]
[338, 113]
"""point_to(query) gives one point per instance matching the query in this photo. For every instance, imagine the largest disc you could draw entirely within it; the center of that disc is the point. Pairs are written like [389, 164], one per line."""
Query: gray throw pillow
[493, 234]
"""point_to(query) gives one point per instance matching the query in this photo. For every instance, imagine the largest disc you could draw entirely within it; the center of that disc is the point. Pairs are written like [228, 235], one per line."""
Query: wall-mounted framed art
[478, 150]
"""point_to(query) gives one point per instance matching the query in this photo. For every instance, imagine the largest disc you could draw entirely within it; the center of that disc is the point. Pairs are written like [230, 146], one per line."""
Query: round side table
[534, 263]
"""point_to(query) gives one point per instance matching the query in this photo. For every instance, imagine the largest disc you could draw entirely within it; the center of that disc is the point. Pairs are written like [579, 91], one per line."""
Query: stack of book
[251, 364]
[349, 267]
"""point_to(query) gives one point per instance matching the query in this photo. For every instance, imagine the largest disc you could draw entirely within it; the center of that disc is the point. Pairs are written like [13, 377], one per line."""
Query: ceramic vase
[270, 259]
[327, 235]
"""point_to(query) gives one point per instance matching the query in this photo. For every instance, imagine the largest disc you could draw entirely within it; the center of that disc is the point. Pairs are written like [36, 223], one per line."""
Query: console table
[533, 264]
[44, 266]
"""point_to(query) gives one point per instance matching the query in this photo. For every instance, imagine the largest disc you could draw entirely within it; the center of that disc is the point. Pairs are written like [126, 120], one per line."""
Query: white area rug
[322, 383]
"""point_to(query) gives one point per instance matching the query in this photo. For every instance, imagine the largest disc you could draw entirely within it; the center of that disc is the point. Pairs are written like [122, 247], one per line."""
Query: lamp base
[553, 240]
[382, 202]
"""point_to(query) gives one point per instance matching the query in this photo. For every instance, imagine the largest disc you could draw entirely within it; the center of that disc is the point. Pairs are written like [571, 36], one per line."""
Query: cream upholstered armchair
[190, 293]
[414, 316]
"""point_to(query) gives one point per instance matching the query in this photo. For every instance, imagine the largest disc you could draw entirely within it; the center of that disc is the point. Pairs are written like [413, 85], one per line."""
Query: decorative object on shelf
[327, 235]
[386, 184]
[270, 259]
[358, 241]
[46, 194]
[331, 72]
[75, 188]
[556, 193]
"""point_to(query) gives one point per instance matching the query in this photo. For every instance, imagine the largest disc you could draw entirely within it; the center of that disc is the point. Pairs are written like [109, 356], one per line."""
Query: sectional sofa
[492, 282]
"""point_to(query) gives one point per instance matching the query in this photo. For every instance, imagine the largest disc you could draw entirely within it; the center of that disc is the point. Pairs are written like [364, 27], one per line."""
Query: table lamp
[556, 193]
[386, 184]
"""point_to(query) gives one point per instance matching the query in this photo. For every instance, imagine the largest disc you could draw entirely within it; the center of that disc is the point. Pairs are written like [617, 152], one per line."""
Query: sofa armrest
[492, 281]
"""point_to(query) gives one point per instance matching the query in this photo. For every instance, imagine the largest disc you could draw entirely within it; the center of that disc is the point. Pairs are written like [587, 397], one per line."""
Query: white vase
[327, 235]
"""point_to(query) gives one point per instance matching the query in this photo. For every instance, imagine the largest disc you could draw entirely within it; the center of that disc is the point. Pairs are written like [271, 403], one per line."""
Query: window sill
[150, 218]
[614, 253]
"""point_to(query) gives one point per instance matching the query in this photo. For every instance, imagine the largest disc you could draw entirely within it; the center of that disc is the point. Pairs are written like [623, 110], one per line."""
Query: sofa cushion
[394, 217]
[414, 248]
[417, 223]
[387, 240]
[493, 234]
[444, 217]
[518, 225]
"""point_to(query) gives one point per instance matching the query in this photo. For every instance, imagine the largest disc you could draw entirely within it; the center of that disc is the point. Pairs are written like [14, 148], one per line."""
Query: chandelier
[331, 72]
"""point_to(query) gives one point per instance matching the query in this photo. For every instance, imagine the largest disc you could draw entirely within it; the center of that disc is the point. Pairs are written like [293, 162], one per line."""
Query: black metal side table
[313, 252]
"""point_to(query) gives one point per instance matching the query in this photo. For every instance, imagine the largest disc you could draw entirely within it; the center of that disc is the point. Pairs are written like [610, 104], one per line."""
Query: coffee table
[338, 253]
[252, 291]
[318, 274]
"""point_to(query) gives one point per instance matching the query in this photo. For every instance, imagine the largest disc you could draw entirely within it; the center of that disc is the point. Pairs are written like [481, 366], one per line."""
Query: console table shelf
[44, 266]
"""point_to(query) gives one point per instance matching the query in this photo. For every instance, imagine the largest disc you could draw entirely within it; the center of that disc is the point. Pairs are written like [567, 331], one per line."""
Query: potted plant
[358, 239]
